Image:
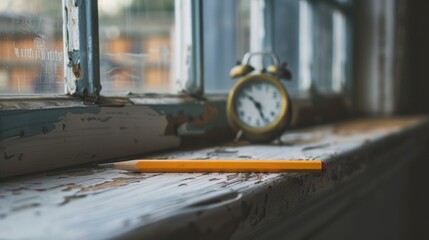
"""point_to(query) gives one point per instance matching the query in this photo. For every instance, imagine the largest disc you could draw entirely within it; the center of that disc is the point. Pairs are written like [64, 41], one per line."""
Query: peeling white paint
[112, 133]
[72, 28]
[71, 41]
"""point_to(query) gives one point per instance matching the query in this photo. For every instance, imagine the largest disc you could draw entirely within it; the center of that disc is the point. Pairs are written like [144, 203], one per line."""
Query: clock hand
[258, 106]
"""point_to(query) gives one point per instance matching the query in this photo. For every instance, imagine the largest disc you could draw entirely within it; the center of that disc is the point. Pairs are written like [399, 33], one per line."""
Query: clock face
[258, 104]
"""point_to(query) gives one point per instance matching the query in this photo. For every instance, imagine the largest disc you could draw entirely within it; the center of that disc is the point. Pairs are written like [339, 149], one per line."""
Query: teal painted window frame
[85, 82]
[82, 65]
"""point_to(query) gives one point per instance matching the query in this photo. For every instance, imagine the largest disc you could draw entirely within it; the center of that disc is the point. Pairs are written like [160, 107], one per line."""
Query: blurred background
[31, 56]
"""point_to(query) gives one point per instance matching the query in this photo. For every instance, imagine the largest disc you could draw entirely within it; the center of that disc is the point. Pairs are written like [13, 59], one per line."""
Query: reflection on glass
[31, 56]
[329, 56]
[344, 2]
[226, 32]
[287, 40]
[339, 57]
[136, 45]
[306, 46]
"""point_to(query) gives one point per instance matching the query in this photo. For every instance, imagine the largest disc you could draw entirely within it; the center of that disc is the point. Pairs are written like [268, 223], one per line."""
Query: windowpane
[228, 32]
[344, 2]
[309, 35]
[286, 37]
[136, 45]
[306, 46]
[226, 29]
[329, 48]
[31, 56]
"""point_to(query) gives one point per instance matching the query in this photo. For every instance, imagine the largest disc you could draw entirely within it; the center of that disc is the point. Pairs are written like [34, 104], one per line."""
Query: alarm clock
[258, 107]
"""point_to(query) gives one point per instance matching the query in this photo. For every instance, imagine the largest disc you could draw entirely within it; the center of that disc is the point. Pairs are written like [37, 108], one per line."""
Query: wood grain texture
[35, 134]
[99, 203]
[78, 136]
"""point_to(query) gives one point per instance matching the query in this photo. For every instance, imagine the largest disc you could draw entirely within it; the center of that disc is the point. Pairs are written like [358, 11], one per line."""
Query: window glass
[31, 56]
[226, 33]
[136, 45]
[286, 37]
[309, 35]
[345, 2]
[329, 48]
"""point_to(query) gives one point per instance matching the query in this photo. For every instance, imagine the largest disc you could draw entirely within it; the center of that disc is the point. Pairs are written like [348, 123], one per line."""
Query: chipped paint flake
[187, 123]
[86, 132]
[73, 70]
[114, 183]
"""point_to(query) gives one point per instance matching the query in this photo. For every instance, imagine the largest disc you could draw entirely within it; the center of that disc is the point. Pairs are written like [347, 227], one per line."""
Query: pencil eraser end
[324, 166]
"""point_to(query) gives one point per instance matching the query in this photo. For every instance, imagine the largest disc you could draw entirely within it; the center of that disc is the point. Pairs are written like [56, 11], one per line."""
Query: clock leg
[238, 136]
[279, 141]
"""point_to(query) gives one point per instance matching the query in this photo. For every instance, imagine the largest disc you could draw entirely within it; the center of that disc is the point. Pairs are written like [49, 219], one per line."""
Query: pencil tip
[127, 165]
[106, 165]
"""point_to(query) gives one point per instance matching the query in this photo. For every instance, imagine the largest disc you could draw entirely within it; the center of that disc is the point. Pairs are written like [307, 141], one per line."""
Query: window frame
[82, 61]
[83, 55]
[81, 44]
[189, 35]
[346, 10]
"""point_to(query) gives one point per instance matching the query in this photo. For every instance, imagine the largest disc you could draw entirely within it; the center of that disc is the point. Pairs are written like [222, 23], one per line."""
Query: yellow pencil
[230, 166]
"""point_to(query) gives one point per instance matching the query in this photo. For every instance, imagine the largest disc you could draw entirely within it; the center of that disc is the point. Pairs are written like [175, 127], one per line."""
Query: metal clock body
[259, 106]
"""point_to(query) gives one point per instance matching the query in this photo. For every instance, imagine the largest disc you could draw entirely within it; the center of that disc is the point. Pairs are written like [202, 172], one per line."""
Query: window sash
[189, 47]
[81, 44]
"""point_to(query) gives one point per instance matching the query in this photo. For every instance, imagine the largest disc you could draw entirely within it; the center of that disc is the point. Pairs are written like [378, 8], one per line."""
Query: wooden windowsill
[45, 133]
[98, 203]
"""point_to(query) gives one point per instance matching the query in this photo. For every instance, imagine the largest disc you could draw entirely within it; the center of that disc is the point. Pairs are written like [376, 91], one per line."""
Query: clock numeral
[277, 105]
[275, 95]
[258, 123]
[258, 86]
[273, 113]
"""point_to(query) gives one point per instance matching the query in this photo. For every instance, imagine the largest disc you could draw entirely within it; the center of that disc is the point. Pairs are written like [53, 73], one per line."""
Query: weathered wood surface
[99, 203]
[34, 134]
